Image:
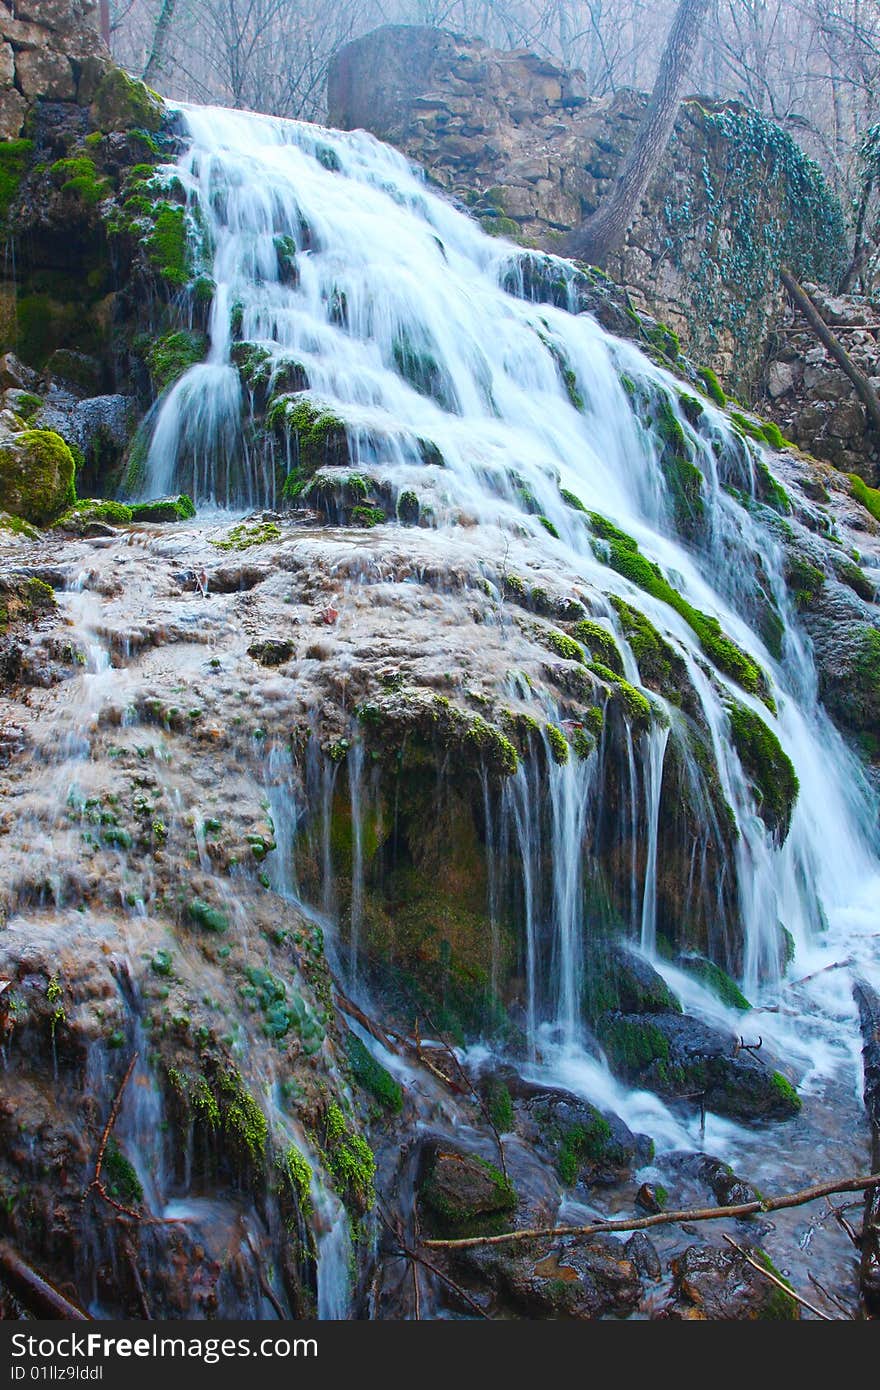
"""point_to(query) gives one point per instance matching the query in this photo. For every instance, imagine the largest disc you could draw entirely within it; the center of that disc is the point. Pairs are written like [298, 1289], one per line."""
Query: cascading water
[334, 262]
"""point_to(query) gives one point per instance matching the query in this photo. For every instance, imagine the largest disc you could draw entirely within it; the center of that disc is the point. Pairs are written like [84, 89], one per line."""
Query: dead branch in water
[97, 1185]
[669, 1218]
[780, 1283]
[34, 1292]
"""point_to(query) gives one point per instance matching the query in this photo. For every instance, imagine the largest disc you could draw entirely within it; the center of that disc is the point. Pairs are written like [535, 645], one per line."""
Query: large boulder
[709, 1284]
[36, 475]
[587, 1279]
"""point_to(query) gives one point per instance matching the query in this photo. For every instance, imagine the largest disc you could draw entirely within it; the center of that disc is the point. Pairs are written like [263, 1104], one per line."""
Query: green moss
[208, 917]
[122, 103]
[716, 980]
[633, 1045]
[868, 496]
[170, 356]
[243, 1120]
[18, 527]
[684, 480]
[244, 536]
[779, 1306]
[600, 643]
[372, 1076]
[320, 435]
[773, 435]
[85, 510]
[805, 581]
[457, 1213]
[298, 1172]
[367, 516]
[622, 554]
[558, 743]
[499, 1105]
[768, 768]
[855, 578]
[549, 527]
[119, 1175]
[350, 1160]
[408, 508]
[15, 156]
[79, 177]
[664, 340]
[582, 1144]
[713, 388]
[561, 644]
[36, 476]
[167, 244]
[164, 509]
[786, 1091]
[772, 492]
[571, 501]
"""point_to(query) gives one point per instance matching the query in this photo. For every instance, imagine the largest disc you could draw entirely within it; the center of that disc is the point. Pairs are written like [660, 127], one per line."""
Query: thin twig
[826, 1293]
[114, 1115]
[667, 1218]
[413, 1255]
[780, 1284]
[837, 1213]
[487, 1115]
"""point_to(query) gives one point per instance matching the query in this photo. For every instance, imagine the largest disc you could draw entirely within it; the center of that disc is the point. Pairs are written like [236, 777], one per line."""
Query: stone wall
[521, 143]
[808, 395]
[49, 49]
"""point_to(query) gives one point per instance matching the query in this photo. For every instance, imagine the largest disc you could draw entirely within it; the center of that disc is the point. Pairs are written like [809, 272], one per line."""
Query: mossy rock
[85, 511]
[768, 768]
[622, 979]
[372, 1076]
[36, 476]
[122, 103]
[23, 600]
[180, 508]
[678, 1056]
[462, 1194]
[716, 980]
[172, 355]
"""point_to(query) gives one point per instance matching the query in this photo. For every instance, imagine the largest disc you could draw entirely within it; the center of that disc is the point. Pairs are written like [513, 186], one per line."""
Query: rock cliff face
[49, 49]
[519, 140]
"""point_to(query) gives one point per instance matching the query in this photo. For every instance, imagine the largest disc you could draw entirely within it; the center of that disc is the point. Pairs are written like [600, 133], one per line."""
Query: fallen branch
[669, 1218]
[481, 1102]
[34, 1292]
[780, 1283]
[863, 388]
[96, 1185]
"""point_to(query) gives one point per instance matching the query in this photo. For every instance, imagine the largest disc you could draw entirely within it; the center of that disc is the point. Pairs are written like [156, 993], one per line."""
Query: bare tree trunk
[34, 1292]
[596, 238]
[864, 390]
[104, 11]
[160, 39]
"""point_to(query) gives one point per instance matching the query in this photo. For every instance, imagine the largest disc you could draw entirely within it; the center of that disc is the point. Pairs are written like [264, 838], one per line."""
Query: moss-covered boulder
[624, 980]
[583, 1143]
[677, 1056]
[122, 103]
[36, 475]
[461, 1193]
[584, 1279]
[180, 508]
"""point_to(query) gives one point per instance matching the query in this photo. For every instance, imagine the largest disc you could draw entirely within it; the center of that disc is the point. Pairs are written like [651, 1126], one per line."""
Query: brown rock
[41, 72]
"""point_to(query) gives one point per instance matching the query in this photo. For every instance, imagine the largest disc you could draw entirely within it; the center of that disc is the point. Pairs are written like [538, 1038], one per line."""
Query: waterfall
[345, 285]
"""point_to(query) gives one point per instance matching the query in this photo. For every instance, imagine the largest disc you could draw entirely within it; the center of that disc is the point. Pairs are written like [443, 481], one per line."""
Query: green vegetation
[712, 386]
[121, 1180]
[372, 1076]
[581, 1144]
[122, 103]
[622, 553]
[208, 917]
[868, 496]
[85, 510]
[561, 644]
[167, 244]
[298, 1172]
[79, 177]
[558, 744]
[245, 537]
[786, 1092]
[499, 1105]
[320, 435]
[716, 980]
[600, 644]
[36, 476]
[15, 156]
[164, 509]
[633, 1044]
[805, 581]
[768, 768]
[170, 356]
[350, 1160]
